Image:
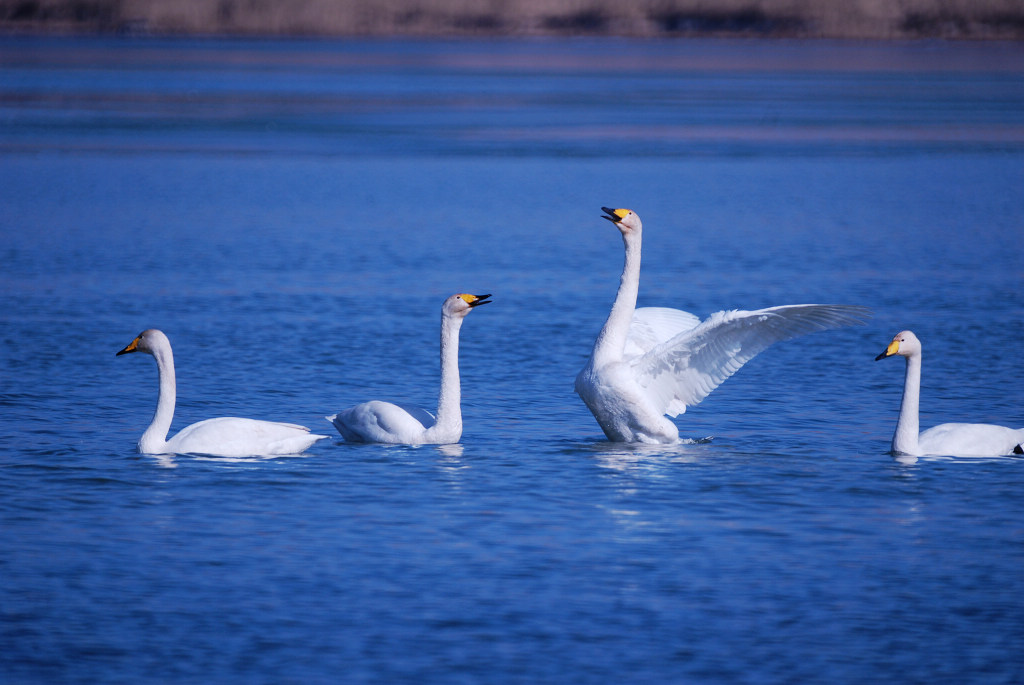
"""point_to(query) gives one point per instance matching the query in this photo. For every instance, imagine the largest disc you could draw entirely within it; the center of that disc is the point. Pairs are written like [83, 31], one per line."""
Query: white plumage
[222, 437]
[947, 439]
[654, 361]
[384, 422]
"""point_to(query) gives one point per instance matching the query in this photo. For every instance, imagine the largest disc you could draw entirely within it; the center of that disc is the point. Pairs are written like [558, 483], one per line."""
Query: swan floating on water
[384, 422]
[221, 437]
[654, 361]
[947, 439]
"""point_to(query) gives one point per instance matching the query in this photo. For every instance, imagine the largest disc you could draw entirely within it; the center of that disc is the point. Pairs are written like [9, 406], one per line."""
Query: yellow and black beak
[614, 215]
[133, 346]
[893, 348]
[476, 300]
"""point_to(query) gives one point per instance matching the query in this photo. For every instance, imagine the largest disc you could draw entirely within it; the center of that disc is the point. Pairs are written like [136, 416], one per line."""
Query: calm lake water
[292, 215]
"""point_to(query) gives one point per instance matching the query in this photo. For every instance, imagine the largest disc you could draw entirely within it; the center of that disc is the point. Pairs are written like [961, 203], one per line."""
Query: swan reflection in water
[645, 457]
[171, 460]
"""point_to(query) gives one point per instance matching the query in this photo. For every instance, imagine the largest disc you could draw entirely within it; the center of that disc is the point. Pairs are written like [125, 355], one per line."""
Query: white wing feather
[230, 436]
[682, 371]
[652, 326]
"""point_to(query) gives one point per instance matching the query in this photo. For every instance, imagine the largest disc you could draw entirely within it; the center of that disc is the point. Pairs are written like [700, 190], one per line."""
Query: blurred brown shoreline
[853, 19]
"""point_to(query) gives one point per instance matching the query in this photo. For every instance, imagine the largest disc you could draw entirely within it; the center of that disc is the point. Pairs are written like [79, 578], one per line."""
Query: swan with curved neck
[384, 422]
[947, 439]
[222, 437]
[651, 362]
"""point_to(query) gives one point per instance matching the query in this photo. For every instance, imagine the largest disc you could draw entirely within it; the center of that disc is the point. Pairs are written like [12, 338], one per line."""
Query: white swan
[655, 361]
[947, 439]
[222, 437]
[377, 421]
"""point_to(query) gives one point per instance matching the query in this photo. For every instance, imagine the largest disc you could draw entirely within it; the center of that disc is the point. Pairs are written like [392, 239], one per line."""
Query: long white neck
[611, 341]
[449, 400]
[904, 441]
[154, 440]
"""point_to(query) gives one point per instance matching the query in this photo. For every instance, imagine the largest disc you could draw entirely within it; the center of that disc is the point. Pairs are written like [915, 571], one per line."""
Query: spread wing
[652, 326]
[682, 371]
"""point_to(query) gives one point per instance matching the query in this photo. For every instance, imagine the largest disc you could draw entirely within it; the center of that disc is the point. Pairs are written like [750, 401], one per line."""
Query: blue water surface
[293, 213]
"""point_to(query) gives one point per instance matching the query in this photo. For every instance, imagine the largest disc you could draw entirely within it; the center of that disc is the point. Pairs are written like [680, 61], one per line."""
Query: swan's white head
[904, 343]
[147, 341]
[460, 304]
[626, 220]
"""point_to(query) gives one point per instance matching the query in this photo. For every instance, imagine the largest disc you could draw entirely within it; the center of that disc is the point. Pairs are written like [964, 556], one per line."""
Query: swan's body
[378, 421]
[947, 439]
[222, 437]
[654, 361]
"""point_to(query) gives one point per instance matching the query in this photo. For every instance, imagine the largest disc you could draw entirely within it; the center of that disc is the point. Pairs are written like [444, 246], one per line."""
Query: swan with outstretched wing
[651, 362]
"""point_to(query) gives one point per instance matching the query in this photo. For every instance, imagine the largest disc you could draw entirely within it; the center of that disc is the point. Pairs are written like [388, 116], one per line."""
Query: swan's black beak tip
[480, 299]
[882, 356]
[133, 346]
[611, 214]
